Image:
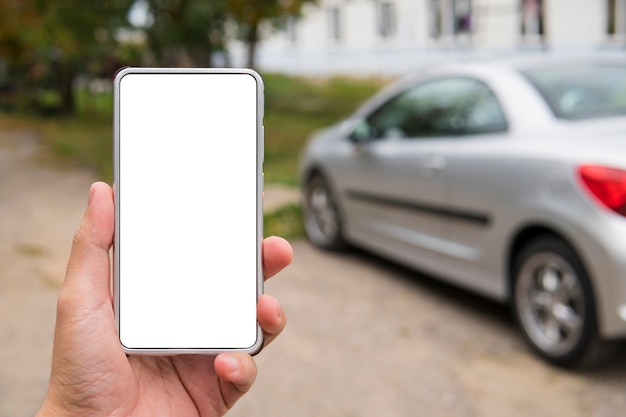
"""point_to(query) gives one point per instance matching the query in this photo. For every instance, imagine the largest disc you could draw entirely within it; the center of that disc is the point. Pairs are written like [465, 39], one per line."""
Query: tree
[190, 32]
[51, 42]
[18, 21]
[185, 32]
[250, 15]
[78, 37]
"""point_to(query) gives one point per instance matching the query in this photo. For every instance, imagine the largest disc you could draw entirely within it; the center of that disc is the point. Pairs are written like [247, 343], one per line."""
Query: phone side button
[262, 143]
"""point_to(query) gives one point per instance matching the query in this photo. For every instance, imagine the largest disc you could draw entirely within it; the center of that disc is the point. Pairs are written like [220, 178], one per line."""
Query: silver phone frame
[258, 345]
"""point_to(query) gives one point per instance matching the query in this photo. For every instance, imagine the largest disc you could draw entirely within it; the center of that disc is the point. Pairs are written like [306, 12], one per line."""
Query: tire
[322, 220]
[553, 302]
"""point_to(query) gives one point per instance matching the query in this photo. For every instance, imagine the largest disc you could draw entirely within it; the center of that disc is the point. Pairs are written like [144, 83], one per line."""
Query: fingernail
[91, 193]
[279, 312]
[232, 363]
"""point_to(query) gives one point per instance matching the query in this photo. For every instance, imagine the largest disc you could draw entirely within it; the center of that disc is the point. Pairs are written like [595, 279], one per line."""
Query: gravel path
[40, 206]
[369, 339]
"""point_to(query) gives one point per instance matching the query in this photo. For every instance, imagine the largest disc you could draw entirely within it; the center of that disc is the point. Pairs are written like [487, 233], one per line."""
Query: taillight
[608, 185]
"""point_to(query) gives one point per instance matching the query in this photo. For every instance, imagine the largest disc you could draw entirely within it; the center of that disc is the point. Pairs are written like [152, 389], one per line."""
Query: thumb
[86, 350]
[87, 280]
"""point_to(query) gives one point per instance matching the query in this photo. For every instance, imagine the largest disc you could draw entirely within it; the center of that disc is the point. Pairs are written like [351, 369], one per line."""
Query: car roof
[503, 71]
[488, 67]
[523, 61]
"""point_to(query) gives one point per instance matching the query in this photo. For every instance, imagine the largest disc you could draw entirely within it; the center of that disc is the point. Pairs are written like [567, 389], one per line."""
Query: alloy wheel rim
[550, 303]
[323, 213]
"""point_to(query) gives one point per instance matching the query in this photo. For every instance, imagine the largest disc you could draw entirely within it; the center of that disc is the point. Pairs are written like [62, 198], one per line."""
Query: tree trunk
[201, 57]
[252, 40]
[66, 77]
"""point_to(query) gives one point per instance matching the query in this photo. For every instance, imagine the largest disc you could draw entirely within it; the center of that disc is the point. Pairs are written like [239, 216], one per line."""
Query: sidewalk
[277, 196]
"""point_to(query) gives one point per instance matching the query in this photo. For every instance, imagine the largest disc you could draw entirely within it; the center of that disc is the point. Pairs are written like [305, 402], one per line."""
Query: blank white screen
[187, 195]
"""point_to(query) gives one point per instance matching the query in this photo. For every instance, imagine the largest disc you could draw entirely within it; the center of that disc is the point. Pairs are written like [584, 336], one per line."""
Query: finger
[237, 372]
[87, 280]
[277, 254]
[271, 317]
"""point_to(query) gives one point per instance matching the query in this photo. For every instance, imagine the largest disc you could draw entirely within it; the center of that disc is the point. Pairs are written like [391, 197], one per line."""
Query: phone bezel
[256, 347]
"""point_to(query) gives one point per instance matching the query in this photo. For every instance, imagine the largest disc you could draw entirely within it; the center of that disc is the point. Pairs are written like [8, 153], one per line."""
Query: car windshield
[582, 91]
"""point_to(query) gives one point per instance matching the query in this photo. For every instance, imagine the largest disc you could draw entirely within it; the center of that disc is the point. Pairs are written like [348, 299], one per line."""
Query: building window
[616, 22]
[532, 19]
[462, 10]
[334, 24]
[386, 16]
[450, 18]
[435, 21]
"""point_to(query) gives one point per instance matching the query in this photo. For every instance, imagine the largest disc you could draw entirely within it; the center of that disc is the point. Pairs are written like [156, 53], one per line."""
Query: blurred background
[366, 337]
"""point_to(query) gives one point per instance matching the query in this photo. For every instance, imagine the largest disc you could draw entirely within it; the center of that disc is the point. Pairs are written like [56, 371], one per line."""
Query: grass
[285, 222]
[294, 108]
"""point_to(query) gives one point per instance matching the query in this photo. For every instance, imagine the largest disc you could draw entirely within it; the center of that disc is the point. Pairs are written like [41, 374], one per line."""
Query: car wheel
[321, 215]
[553, 301]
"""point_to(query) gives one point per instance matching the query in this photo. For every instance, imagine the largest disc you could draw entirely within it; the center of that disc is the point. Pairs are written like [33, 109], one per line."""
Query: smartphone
[188, 181]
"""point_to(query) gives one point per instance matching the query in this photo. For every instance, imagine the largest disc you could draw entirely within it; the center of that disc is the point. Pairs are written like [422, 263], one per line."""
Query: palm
[92, 376]
[177, 385]
[140, 385]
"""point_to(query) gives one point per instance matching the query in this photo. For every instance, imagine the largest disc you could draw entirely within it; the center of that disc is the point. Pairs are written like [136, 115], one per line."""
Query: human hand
[92, 376]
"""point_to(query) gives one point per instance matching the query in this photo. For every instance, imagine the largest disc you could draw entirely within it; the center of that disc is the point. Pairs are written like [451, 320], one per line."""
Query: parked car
[507, 178]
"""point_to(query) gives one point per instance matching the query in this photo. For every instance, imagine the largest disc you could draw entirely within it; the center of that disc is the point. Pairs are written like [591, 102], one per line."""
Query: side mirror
[362, 132]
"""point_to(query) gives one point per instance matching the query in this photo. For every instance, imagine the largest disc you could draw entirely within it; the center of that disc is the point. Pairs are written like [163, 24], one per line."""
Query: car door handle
[432, 165]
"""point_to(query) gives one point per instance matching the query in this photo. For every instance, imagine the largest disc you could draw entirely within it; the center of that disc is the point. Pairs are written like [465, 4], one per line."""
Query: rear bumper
[605, 258]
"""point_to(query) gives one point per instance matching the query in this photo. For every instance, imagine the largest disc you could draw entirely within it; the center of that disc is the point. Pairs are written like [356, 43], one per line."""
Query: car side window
[441, 107]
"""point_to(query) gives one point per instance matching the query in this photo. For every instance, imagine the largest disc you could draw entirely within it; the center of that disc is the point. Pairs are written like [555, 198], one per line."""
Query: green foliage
[73, 141]
[75, 31]
[92, 105]
[285, 222]
[45, 45]
[185, 32]
[88, 145]
[295, 107]
[332, 98]
[18, 22]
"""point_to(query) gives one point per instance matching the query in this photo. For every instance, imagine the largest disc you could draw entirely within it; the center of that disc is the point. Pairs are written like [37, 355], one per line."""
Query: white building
[389, 37]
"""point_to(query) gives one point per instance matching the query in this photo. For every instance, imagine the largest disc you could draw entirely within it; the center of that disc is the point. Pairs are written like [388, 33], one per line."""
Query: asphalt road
[365, 337]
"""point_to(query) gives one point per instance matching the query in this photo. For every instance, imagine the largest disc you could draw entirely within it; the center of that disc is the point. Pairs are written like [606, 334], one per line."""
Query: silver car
[506, 178]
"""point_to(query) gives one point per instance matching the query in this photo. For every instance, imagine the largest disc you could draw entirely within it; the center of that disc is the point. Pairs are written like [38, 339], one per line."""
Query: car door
[395, 192]
[477, 178]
